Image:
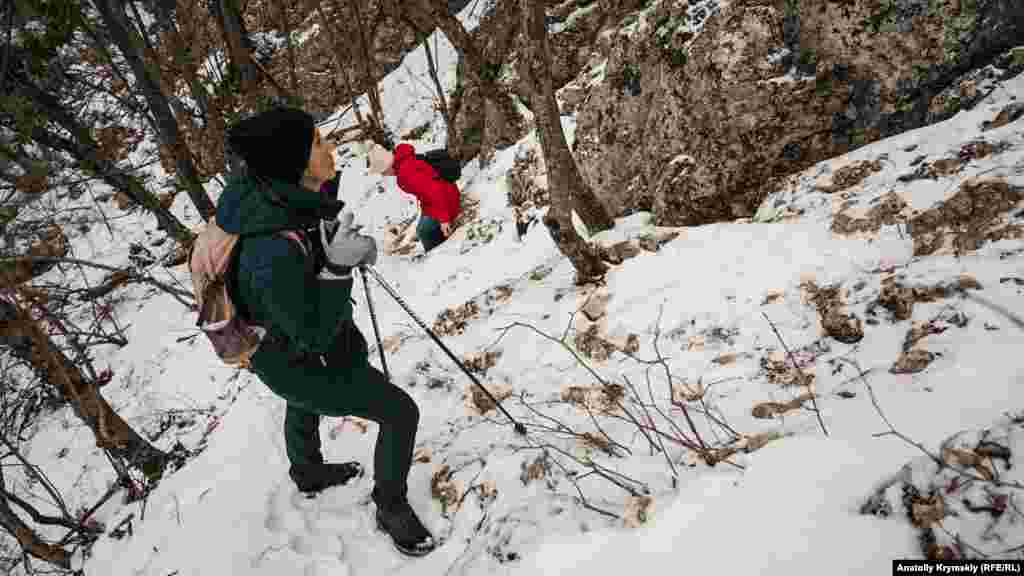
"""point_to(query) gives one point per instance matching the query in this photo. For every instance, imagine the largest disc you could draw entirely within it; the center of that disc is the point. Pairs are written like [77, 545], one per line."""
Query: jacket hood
[249, 207]
[403, 152]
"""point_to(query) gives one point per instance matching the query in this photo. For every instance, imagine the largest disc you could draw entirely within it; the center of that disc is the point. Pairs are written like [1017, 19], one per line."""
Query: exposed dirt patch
[968, 219]
[850, 175]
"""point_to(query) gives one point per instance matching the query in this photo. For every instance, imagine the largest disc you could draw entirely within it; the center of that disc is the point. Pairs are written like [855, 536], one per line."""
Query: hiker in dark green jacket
[313, 355]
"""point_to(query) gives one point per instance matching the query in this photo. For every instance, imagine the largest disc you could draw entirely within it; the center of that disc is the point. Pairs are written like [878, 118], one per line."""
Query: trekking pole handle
[518, 426]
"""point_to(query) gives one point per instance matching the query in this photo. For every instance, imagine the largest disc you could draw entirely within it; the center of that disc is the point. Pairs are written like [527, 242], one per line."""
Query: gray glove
[348, 248]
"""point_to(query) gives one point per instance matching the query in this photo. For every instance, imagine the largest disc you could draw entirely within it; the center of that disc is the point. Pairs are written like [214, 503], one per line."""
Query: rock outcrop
[703, 108]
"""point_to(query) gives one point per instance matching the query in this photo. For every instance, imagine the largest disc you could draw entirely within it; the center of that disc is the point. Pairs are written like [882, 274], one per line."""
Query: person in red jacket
[438, 198]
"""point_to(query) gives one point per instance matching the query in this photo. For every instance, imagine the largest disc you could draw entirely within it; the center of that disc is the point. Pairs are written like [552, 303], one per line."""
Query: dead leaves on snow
[479, 403]
[453, 321]
[769, 410]
[446, 489]
[781, 371]
[912, 361]
[850, 175]
[899, 299]
[968, 219]
[887, 212]
[537, 469]
[481, 362]
[598, 398]
[638, 510]
[835, 322]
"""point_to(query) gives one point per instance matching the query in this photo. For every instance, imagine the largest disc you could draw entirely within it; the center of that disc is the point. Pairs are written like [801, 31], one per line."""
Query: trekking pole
[516, 425]
[373, 318]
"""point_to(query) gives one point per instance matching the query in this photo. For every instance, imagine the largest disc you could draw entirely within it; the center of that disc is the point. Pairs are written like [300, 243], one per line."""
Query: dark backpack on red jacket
[446, 167]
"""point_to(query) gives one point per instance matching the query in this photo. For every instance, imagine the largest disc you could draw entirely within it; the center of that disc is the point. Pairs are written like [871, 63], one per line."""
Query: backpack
[212, 258]
[447, 168]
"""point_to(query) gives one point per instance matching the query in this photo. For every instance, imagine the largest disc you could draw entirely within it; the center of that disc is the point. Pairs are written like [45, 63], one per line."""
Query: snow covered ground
[790, 506]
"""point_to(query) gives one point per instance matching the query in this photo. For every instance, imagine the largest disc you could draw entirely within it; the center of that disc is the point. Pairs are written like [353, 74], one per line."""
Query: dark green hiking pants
[315, 390]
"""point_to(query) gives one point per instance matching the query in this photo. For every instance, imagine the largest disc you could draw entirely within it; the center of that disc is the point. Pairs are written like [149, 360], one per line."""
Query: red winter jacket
[438, 198]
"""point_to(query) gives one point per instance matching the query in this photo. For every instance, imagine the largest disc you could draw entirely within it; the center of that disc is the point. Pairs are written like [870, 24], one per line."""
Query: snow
[784, 517]
[794, 507]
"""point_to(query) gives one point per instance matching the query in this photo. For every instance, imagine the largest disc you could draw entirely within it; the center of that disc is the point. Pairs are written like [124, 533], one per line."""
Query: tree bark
[289, 45]
[113, 15]
[564, 180]
[229, 17]
[442, 104]
[376, 110]
[28, 341]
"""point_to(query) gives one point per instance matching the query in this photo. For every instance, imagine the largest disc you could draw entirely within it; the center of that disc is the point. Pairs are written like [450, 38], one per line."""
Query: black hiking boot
[316, 477]
[408, 534]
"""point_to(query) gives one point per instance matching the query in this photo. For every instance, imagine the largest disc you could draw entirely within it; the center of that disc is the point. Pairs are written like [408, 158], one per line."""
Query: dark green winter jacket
[308, 319]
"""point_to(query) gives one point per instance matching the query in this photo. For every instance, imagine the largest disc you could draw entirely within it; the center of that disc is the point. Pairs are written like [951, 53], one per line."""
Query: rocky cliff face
[701, 107]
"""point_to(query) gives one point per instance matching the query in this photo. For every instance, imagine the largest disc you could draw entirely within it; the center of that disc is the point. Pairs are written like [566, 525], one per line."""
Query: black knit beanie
[275, 143]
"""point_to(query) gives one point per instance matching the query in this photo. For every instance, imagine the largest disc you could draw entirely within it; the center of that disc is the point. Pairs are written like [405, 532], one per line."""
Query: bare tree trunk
[366, 132]
[496, 114]
[28, 341]
[442, 104]
[377, 112]
[229, 16]
[564, 180]
[123, 35]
